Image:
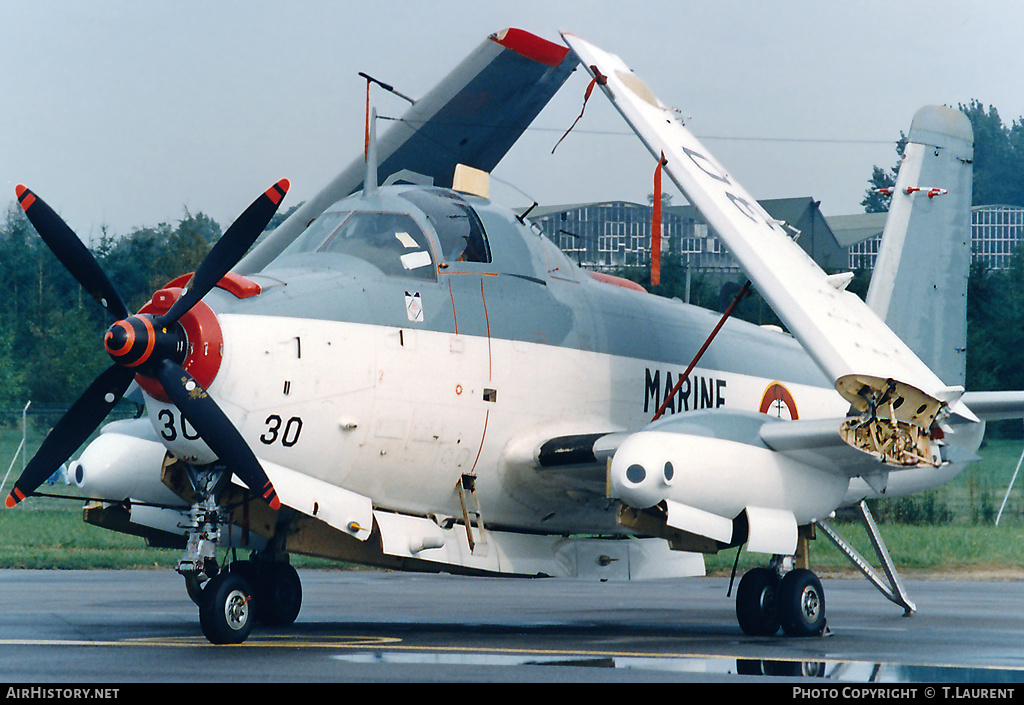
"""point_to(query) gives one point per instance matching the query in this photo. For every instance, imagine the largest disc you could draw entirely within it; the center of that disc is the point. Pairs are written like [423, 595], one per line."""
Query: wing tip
[531, 46]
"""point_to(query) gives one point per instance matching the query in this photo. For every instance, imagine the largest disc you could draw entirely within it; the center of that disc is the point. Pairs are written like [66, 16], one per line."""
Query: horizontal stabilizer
[994, 406]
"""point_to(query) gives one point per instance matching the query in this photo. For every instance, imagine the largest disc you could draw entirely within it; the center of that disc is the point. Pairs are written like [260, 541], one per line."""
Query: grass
[49, 533]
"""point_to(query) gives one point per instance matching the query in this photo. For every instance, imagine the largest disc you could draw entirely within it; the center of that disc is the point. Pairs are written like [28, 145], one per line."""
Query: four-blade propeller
[153, 346]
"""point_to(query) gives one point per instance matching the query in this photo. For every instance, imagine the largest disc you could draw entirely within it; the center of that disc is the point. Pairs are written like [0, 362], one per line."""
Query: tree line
[51, 331]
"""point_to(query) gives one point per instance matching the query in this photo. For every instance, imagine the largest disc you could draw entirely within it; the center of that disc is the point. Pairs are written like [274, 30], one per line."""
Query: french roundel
[777, 401]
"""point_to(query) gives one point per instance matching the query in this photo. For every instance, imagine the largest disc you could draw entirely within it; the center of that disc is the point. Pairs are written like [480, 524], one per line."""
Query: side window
[459, 230]
[392, 242]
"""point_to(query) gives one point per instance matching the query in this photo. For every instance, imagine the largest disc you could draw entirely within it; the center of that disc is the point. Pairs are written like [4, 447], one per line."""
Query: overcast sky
[126, 113]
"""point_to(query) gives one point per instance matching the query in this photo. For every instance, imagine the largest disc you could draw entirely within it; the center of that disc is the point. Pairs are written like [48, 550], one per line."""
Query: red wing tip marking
[531, 46]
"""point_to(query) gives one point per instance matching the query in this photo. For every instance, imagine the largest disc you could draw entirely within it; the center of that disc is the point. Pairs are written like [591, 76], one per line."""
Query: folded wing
[472, 117]
[871, 366]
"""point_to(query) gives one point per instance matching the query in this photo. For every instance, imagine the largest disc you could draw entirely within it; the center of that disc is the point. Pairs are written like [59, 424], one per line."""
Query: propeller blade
[216, 429]
[229, 249]
[74, 255]
[74, 428]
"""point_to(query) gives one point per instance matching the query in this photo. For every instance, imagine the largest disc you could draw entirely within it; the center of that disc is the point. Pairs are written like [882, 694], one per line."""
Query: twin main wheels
[231, 601]
[796, 603]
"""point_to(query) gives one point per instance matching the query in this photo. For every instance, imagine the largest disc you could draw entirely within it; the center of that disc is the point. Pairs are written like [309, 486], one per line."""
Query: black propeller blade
[215, 428]
[229, 249]
[75, 256]
[84, 417]
[147, 345]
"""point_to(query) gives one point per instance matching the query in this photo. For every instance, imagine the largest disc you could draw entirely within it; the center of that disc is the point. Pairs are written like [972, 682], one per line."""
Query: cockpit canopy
[391, 238]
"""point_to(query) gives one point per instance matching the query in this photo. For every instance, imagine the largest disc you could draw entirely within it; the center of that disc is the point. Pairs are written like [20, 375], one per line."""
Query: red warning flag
[656, 225]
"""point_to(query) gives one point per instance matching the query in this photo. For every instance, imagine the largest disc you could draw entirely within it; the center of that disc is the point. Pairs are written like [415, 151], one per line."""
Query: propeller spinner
[149, 345]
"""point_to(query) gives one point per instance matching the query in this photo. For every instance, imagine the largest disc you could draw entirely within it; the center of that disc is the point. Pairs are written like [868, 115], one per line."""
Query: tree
[998, 162]
[874, 201]
[996, 166]
[51, 332]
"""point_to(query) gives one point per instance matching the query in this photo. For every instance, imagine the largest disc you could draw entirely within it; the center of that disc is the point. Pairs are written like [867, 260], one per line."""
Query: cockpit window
[459, 230]
[392, 242]
[319, 230]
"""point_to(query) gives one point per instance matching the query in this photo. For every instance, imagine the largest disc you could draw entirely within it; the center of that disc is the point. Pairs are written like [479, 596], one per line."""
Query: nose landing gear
[231, 598]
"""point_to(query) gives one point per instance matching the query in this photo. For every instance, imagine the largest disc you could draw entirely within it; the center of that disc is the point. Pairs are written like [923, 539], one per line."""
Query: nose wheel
[225, 609]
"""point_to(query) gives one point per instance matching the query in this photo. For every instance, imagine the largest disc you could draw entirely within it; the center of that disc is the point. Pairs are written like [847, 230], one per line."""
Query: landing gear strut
[233, 597]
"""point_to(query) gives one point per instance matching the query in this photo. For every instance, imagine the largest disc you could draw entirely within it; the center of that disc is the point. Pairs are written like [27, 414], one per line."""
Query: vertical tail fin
[919, 285]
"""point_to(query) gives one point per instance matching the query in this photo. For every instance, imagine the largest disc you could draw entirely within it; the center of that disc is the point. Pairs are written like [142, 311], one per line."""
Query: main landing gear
[768, 599]
[774, 597]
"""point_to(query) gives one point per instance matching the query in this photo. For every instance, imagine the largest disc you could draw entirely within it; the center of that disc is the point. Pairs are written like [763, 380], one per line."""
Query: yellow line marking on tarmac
[347, 642]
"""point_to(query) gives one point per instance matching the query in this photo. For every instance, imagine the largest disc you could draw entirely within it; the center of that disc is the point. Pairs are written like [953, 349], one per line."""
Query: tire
[801, 604]
[225, 613]
[278, 594]
[756, 602]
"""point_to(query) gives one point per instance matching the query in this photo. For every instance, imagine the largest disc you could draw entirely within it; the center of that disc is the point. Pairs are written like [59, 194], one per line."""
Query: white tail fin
[919, 285]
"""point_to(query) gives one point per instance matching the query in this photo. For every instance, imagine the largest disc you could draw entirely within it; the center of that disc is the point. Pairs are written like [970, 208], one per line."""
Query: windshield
[392, 242]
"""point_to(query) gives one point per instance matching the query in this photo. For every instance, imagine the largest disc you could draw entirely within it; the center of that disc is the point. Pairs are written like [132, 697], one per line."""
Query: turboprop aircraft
[407, 374]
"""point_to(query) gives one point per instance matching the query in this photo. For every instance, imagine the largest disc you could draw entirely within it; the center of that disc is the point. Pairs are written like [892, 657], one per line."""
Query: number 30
[289, 435]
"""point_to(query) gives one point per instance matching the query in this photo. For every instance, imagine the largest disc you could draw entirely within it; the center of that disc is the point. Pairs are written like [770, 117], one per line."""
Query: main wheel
[755, 602]
[224, 609]
[278, 594]
[801, 604]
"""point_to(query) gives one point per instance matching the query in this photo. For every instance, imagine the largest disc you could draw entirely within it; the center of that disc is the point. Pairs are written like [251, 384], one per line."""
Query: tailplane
[919, 285]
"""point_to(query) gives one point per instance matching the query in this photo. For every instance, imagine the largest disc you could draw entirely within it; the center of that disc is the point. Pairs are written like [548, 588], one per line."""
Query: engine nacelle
[716, 464]
[117, 466]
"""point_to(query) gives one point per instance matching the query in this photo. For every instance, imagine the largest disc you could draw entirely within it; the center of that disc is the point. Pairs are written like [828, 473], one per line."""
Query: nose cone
[130, 342]
[117, 340]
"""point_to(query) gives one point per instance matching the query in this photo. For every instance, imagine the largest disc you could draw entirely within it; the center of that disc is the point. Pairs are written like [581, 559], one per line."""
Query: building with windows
[614, 234]
[996, 233]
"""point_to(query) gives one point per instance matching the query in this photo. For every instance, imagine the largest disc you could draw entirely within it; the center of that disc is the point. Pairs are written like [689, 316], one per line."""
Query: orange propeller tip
[284, 184]
[20, 189]
[11, 502]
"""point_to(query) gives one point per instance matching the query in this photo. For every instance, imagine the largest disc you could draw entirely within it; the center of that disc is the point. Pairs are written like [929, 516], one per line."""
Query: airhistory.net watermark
[52, 693]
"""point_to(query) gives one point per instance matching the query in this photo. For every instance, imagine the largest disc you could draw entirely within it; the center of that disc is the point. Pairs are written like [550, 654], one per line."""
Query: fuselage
[410, 338]
[390, 357]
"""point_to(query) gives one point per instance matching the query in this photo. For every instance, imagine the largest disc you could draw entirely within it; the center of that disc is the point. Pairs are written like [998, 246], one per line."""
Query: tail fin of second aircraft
[919, 285]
